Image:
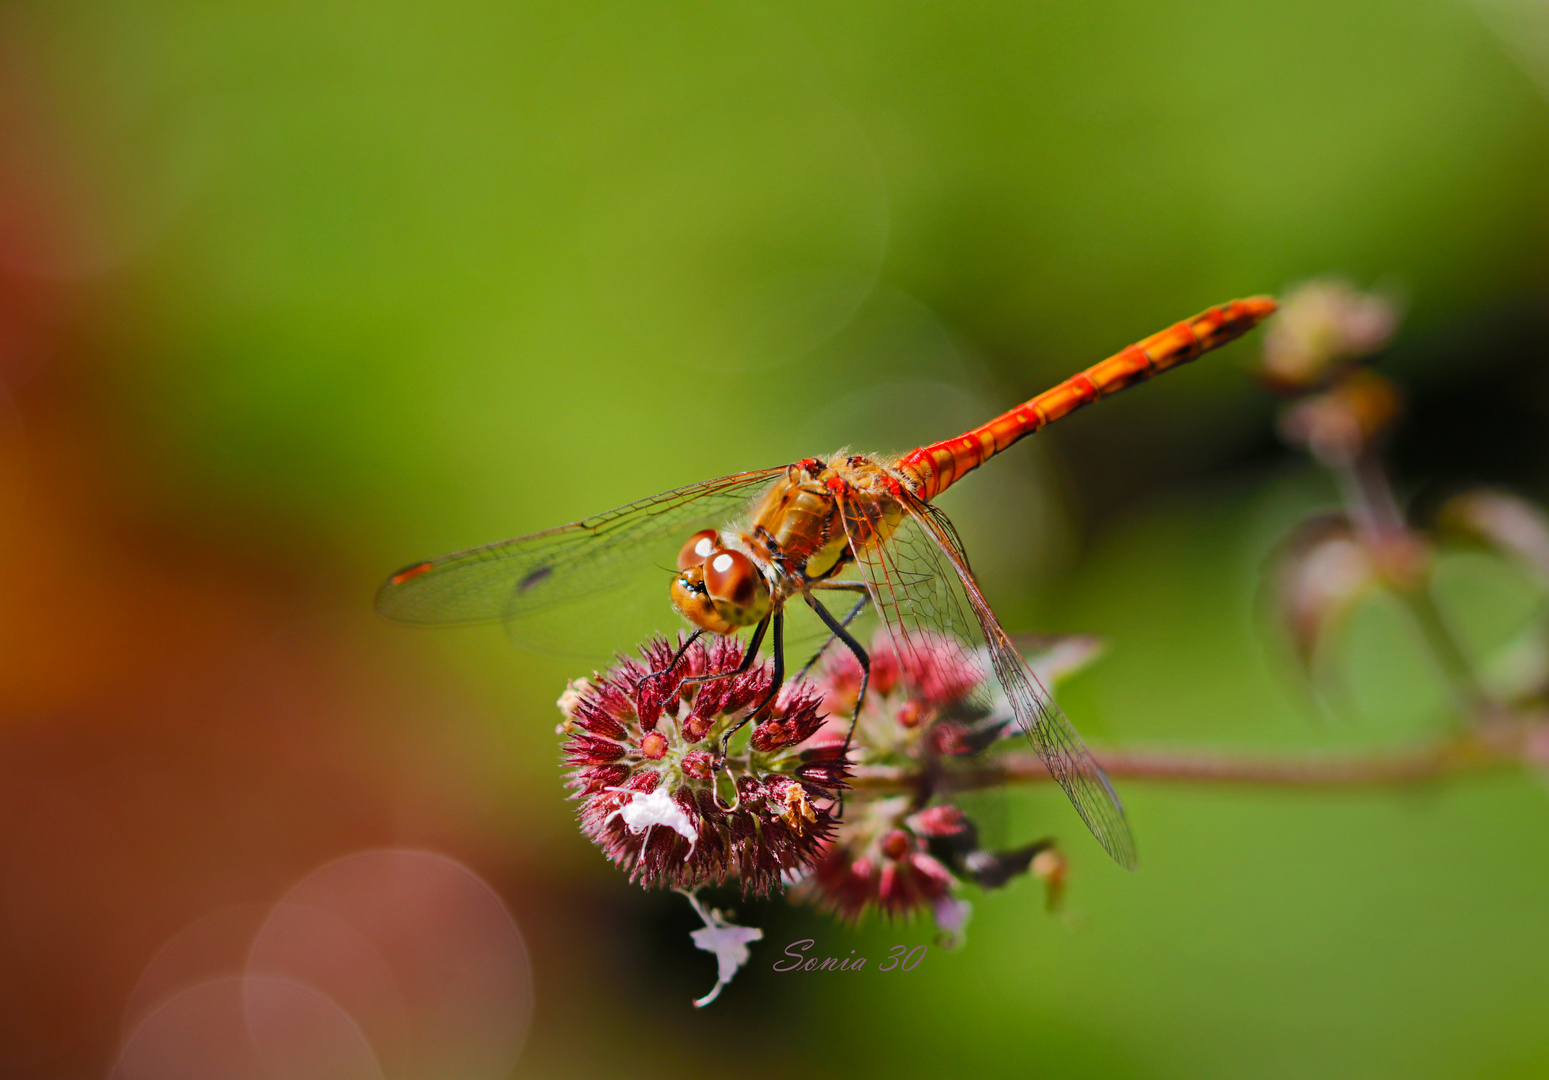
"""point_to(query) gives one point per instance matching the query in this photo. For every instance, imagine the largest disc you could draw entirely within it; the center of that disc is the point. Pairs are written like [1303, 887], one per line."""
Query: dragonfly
[752, 543]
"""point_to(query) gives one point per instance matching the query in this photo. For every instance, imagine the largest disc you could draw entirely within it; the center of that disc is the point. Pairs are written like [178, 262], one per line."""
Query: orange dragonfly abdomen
[940, 465]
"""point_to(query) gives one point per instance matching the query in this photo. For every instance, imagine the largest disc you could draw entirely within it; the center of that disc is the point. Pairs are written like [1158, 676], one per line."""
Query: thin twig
[1410, 765]
[1373, 505]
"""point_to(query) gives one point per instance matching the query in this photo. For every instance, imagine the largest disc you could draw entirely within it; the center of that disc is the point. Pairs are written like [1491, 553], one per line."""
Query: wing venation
[922, 586]
[512, 578]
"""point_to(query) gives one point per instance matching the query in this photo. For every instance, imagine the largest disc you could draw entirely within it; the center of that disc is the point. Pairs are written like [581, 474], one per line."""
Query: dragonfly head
[717, 588]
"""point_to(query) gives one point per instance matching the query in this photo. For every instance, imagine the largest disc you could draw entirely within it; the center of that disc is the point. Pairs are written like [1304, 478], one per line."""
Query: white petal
[727, 941]
[730, 945]
[656, 808]
[575, 690]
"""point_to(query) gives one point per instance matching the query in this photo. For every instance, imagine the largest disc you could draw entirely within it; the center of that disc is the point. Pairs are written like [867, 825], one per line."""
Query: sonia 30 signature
[899, 958]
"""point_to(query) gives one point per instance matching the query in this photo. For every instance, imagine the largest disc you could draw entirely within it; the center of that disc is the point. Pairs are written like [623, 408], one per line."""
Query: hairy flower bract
[643, 741]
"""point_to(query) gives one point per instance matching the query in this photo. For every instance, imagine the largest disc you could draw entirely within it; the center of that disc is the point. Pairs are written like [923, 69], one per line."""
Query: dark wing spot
[408, 573]
[535, 577]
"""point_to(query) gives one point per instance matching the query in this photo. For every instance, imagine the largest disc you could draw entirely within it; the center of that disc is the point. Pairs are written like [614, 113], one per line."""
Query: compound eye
[698, 548]
[731, 578]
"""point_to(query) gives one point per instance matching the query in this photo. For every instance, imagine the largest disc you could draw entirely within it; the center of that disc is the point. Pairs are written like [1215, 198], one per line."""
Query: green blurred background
[292, 294]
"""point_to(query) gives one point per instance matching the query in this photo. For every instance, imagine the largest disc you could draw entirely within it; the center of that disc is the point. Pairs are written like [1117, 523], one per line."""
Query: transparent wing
[923, 589]
[516, 578]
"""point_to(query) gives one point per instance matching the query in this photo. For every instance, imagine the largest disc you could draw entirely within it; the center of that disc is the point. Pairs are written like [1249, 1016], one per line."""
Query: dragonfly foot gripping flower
[642, 742]
[643, 750]
[928, 715]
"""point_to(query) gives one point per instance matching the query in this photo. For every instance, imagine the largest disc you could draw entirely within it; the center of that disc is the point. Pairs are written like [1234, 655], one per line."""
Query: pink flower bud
[943, 820]
[1323, 326]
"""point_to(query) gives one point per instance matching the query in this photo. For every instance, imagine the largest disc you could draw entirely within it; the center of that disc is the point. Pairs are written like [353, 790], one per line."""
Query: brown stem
[1370, 500]
[1409, 765]
[1374, 508]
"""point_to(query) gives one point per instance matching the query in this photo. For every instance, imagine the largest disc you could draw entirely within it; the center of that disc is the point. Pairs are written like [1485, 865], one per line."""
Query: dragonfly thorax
[797, 534]
[800, 519]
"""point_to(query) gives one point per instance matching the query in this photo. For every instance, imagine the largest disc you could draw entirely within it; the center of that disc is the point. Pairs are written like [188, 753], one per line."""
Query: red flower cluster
[643, 746]
[930, 701]
[643, 749]
[933, 683]
[880, 860]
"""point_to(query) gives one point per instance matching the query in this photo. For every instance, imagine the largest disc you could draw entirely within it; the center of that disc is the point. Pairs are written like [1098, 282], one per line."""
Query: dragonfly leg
[778, 647]
[860, 606]
[671, 664]
[747, 658]
[854, 646]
